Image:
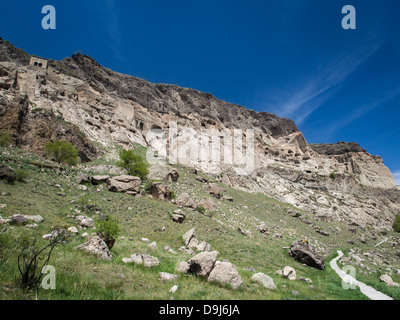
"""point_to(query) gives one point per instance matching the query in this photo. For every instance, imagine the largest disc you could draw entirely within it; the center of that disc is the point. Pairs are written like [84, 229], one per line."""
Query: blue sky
[291, 58]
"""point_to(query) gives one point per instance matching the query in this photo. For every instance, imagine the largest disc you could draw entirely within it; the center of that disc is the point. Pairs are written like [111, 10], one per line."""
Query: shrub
[32, 260]
[396, 224]
[332, 176]
[21, 175]
[201, 209]
[108, 229]
[135, 164]
[62, 152]
[4, 140]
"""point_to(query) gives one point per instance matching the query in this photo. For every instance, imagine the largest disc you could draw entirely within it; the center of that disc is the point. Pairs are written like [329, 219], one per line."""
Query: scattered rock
[152, 246]
[215, 190]
[160, 191]
[19, 219]
[303, 252]
[96, 180]
[167, 276]
[203, 263]
[178, 216]
[264, 280]
[208, 204]
[96, 246]
[173, 289]
[289, 272]
[172, 176]
[225, 273]
[83, 178]
[124, 183]
[185, 200]
[183, 267]
[73, 230]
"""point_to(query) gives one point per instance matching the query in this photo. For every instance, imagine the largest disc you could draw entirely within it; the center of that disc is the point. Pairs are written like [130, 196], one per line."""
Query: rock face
[96, 246]
[78, 100]
[303, 252]
[225, 273]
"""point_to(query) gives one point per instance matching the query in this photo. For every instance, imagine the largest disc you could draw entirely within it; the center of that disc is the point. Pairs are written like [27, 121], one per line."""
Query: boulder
[264, 280]
[6, 173]
[185, 200]
[187, 237]
[183, 267]
[208, 204]
[87, 223]
[167, 276]
[178, 216]
[303, 252]
[289, 272]
[262, 228]
[19, 219]
[83, 178]
[96, 246]
[124, 183]
[225, 273]
[172, 176]
[147, 260]
[215, 190]
[96, 180]
[386, 279]
[72, 230]
[150, 261]
[202, 263]
[160, 191]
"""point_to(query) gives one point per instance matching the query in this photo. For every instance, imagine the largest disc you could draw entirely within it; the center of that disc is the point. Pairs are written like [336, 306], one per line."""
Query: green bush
[21, 175]
[201, 209]
[62, 152]
[135, 164]
[396, 224]
[107, 228]
[332, 176]
[4, 140]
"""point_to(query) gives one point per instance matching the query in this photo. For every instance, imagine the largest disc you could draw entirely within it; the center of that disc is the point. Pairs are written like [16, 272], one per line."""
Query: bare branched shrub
[32, 259]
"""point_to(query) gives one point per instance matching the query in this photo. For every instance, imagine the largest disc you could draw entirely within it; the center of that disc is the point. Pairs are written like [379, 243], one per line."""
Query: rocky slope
[340, 182]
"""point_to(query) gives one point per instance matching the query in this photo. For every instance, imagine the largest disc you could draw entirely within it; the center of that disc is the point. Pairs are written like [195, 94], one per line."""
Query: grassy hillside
[52, 192]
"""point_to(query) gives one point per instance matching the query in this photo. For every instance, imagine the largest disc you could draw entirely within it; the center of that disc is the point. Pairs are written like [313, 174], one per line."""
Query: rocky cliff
[341, 181]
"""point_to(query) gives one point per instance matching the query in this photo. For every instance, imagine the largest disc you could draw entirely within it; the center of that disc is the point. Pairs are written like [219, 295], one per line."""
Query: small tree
[134, 163]
[396, 224]
[62, 152]
[4, 139]
[108, 229]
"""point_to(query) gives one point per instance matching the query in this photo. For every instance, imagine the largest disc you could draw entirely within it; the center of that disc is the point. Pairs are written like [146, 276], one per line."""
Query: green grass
[144, 217]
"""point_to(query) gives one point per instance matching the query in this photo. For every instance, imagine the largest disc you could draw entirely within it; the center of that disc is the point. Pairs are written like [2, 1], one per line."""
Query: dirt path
[367, 290]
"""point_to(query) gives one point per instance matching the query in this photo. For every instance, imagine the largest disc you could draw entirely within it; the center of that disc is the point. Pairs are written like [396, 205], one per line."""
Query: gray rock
[203, 263]
[183, 267]
[303, 252]
[167, 276]
[225, 273]
[289, 272]
[96, 246]
[264, 280]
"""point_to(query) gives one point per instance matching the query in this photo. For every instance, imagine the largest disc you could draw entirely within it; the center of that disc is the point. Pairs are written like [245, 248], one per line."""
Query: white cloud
[317, 88]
